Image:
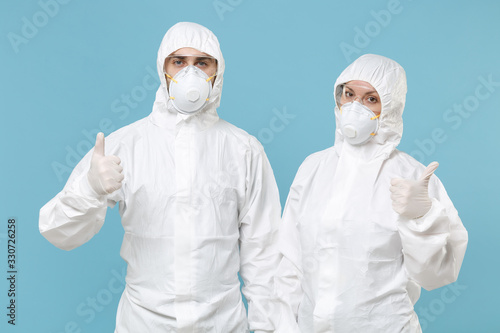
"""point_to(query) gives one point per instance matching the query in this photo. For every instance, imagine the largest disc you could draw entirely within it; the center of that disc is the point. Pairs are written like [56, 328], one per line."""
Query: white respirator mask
[190, 89]
[357, 122]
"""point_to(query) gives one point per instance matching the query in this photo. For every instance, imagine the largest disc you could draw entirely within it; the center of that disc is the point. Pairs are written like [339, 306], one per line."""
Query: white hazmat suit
[350, 263]
[199, 203]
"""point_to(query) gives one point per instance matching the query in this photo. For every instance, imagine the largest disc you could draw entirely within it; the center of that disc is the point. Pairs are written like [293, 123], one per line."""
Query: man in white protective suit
[366, 226]
[197, 198]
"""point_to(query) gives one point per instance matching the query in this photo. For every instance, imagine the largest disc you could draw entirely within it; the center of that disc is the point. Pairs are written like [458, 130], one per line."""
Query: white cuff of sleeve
[435, 221]
[87, 190]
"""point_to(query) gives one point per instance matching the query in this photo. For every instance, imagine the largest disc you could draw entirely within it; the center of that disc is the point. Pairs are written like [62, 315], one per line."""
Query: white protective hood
[187, 34]
[389, 79]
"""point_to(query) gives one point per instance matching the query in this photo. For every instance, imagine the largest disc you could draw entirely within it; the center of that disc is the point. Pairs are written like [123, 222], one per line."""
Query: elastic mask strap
[171, 78]
[210, 78]
[373, 118]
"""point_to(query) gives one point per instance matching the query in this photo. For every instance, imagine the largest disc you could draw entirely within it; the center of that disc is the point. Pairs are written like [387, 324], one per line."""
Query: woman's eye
[372, 99]
[348, 94]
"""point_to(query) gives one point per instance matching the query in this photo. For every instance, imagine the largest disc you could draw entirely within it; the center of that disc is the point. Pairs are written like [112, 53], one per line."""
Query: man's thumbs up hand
[105, 175]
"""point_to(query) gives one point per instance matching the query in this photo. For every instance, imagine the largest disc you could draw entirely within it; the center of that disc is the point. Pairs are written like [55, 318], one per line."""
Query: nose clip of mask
[357, 123]
[190, 90]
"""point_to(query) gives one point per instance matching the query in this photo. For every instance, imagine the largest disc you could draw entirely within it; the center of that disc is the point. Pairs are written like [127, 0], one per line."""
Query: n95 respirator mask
[357, 122]
[189, 90]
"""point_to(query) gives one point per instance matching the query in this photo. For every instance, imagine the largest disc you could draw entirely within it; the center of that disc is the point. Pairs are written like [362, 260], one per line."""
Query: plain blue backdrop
[71, 68]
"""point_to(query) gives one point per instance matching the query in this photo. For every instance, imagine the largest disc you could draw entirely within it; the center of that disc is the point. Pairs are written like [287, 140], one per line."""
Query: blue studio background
[72, 68]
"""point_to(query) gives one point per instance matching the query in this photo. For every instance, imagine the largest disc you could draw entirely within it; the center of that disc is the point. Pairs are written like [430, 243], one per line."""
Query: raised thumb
[99, 144]
[429, 171]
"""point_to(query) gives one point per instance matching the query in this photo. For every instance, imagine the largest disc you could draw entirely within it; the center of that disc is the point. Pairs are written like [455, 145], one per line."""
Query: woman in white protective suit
[197, 198]
[365, 225]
